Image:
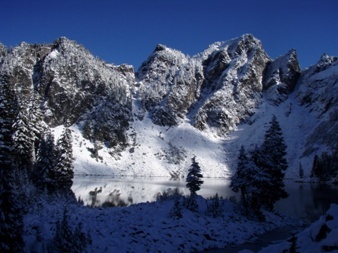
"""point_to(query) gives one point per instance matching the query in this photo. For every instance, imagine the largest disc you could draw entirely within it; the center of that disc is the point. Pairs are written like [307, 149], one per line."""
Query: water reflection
[95, 191]
[306, 201]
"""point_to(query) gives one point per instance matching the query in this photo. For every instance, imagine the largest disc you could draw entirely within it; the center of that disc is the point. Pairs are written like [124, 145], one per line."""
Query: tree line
[325, 166]
[29, 162]
[259, 175]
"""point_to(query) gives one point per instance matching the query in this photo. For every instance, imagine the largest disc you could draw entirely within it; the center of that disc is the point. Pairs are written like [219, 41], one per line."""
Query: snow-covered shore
[148, 227]
[320, 236]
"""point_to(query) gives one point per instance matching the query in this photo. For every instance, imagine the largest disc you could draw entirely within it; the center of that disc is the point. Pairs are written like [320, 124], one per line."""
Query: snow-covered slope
[152, 122]
[152, 151]
[163, 151]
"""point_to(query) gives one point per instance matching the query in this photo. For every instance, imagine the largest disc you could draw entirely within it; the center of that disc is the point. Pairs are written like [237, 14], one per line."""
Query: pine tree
[194, 176]
[194, 183]
[36, 124]
[81, 240]
[67, 240]
[250, 181]
[325, 167]
[301, 171]
[260, 182]
[239, 181]
[64, 237]
[62, 174]
[46, 161]
[23, 142]
[28, 129]
[11, 213]
[274, 145]
[8, 113]
[271, 160]
[176, 210]
[315, 166]
[214, 208]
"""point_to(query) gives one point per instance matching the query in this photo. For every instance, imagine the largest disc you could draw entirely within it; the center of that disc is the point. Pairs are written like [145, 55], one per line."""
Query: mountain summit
[152, 121]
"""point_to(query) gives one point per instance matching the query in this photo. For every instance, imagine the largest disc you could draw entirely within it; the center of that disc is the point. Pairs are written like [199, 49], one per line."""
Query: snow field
[145, 156]
[147, 227]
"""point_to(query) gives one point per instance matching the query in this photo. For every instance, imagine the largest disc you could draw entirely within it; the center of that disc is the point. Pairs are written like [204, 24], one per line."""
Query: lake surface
[306, 201]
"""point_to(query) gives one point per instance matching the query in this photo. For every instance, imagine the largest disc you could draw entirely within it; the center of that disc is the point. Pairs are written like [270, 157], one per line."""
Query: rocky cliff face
[318, 86]
[281, 76]
[218, 88]
[212, 92]
[168, 82]
[232, 85]
[74, 86]
[318, 92]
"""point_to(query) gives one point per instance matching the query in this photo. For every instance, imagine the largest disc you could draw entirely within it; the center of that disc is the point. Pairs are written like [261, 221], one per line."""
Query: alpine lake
[306, 201]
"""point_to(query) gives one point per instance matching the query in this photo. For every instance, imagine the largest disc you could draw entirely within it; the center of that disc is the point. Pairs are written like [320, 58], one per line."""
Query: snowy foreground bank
[147, 227]
[150, 227]
[321, 236]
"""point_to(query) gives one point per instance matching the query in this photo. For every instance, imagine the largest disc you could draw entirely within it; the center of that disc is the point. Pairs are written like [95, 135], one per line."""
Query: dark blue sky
[127, 31]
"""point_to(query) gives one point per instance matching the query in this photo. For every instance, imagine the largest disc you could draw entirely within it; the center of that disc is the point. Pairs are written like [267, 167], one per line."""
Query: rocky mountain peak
[326, 59]
[64, 40]
[158, 77]
[233, 73]
[188, 87]
[281, 76]
[72, 85]
[245, 43]
[165, 54]
[160, 47]
[64, 45]
[236, 46]
[319, 86]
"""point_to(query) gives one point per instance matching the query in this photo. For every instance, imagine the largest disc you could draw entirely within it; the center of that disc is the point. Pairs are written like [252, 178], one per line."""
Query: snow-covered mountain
[153, 121]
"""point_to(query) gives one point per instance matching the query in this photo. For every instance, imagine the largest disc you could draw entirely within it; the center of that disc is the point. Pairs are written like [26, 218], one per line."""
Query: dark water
[306, 201]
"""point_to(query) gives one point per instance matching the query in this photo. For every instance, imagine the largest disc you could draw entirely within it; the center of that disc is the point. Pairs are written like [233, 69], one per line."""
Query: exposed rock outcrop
[232, 85]
[318, 91]
[71, 85]
[281, 77]
[218, 88]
